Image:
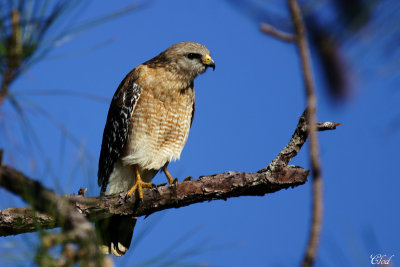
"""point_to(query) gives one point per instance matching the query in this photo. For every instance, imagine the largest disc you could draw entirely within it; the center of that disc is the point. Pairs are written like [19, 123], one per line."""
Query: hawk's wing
[193, 107]
[116, 129]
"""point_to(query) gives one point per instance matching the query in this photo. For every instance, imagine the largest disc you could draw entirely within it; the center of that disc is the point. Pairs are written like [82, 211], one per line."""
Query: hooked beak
[209, 62]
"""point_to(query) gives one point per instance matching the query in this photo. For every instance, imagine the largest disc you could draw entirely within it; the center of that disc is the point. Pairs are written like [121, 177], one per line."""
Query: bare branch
[207, 188]
[220, 186]
[283, 36]
[300, 39]
[316, 169]
[325, 126]
[298, 139]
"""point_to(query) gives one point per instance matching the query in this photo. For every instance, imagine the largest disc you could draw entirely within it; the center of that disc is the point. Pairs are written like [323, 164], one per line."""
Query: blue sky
[246, 112]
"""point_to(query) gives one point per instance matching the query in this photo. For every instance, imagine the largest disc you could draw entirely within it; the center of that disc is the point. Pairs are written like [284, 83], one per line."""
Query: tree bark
[219, 186]
[278, 175]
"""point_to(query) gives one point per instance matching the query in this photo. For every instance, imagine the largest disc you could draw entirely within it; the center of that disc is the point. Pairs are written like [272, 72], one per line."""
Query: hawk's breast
[159, 128]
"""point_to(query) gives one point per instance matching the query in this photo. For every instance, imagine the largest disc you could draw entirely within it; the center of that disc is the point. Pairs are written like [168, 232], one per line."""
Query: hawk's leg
[169, 176]
[139, 185]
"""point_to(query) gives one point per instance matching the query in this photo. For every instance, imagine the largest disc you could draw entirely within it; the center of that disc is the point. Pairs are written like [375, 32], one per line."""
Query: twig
[296, 142]
[316, 169]
[268, 29]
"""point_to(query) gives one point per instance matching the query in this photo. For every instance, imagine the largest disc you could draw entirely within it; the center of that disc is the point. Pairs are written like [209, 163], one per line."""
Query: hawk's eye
[193, 56]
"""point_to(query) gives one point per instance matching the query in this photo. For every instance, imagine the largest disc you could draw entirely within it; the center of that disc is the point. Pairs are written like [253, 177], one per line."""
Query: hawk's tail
[115, 234]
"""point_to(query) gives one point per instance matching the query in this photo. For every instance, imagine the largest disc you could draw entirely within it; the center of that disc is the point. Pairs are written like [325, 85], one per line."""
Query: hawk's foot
[138, 186]
[169, 176]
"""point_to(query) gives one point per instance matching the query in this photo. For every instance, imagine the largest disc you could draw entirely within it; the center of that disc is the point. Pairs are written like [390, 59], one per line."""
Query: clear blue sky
[246, 112]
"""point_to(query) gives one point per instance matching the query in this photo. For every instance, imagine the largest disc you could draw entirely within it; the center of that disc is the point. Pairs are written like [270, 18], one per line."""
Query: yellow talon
[139, 185]
[169, 176]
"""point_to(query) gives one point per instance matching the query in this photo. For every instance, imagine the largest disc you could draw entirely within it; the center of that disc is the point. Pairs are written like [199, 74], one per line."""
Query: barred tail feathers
[116, 232]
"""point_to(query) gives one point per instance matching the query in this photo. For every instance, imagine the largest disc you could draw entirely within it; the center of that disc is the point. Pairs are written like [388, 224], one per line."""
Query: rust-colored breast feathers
[161, 120]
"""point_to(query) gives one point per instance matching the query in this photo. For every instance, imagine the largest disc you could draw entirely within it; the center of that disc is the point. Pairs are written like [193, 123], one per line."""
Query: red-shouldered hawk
[147, 127]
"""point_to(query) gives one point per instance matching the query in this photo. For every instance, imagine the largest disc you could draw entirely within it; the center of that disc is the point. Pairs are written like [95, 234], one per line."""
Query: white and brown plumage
[147, 127]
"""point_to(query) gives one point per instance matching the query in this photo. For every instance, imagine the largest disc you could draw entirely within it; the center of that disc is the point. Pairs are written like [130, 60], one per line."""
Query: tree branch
[76, 227]
[283, 36]
[300, 39]
[219, 186]
[297, 141]
[316, 166]
[206, 188]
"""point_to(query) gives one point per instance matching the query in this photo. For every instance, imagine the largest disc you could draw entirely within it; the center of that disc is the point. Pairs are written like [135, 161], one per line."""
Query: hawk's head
[186, 58]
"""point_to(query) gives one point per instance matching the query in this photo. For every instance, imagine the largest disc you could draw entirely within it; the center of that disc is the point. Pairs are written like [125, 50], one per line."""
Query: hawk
[147, 126]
